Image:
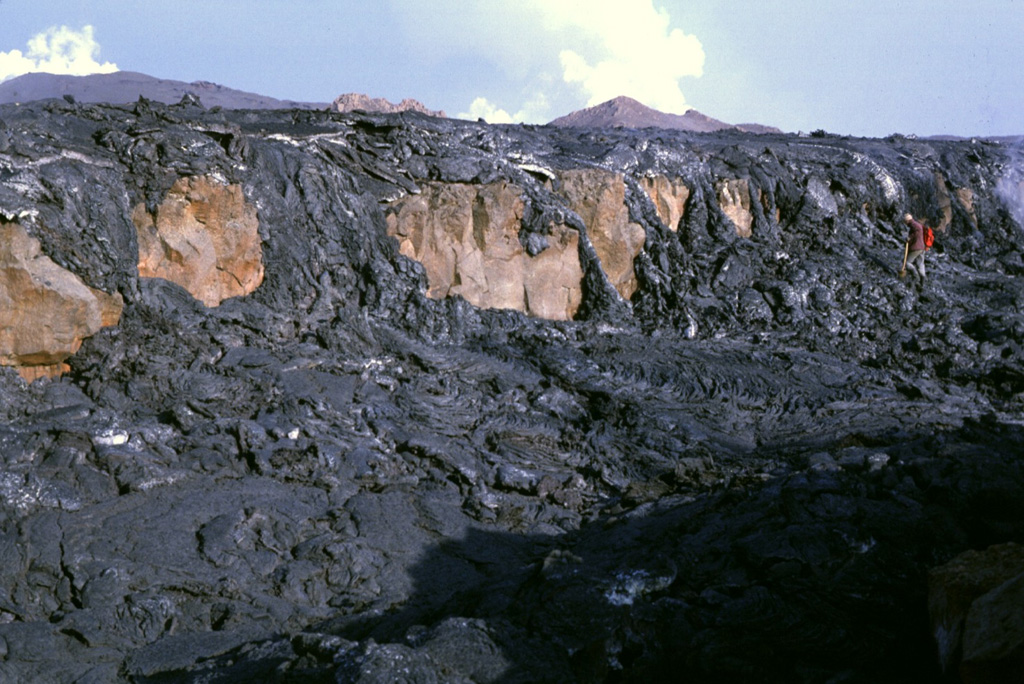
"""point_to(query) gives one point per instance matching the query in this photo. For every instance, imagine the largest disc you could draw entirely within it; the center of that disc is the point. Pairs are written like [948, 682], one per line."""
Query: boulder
[993, 650]
[467, 238]
[205, 237]
[45, 310]
[598, 196]
[976, 603]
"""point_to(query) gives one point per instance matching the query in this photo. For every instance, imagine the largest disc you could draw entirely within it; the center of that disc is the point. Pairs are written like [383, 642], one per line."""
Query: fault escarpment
[311, 396]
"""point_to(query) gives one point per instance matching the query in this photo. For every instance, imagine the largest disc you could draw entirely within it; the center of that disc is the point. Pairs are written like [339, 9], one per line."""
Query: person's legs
[915, 260]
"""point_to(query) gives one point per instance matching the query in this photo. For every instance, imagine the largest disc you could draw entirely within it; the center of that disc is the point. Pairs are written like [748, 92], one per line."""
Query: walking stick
[906, 250]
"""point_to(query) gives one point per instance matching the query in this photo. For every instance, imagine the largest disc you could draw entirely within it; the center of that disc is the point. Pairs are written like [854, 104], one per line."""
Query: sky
[854, 67]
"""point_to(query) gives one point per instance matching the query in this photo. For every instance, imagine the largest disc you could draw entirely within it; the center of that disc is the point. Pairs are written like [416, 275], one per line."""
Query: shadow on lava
[816, 575]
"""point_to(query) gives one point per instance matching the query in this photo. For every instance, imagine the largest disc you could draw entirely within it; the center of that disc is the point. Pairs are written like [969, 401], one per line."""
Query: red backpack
[929, 236]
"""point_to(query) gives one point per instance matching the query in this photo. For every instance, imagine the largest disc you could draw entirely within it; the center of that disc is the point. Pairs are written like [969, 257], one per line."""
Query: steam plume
[634, 51]
[599, 49]
[58, 50]
[1011, 186]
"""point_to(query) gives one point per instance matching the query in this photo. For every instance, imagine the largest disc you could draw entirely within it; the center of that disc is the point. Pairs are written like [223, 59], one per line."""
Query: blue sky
[864, 67]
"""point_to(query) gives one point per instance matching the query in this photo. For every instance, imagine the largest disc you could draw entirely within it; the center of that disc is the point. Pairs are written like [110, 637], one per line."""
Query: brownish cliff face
[467, 238]
[205, 237]
[599, 197]
[965, 197]
[669, 197]
[945, 204]
[45, 310]
[734, 200]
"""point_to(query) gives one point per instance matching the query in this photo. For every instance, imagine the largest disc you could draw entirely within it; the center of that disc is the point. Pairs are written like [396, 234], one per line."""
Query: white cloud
[588, 51]
[626, 48]
[482, 108]
[56, 51]
[544, 55]
[534, 109]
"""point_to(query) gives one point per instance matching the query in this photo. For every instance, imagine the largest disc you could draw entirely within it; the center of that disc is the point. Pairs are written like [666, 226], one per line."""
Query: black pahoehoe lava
[742, 474]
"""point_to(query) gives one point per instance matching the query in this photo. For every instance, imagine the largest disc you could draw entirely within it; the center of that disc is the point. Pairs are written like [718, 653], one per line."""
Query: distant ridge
[625, 112]
[122, 87]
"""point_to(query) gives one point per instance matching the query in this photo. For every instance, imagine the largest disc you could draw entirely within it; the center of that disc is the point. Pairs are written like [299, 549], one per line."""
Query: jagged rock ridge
[348, 102]
[739, 461]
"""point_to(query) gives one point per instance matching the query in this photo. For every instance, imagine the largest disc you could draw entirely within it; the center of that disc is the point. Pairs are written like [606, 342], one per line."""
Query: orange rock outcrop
[734, 200]
[45, 310]
[669, 197]
[205, 237]
[467, 238]
[598, 197]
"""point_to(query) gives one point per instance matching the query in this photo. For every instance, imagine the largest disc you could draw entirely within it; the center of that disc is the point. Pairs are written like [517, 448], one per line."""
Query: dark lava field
[744, 473]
